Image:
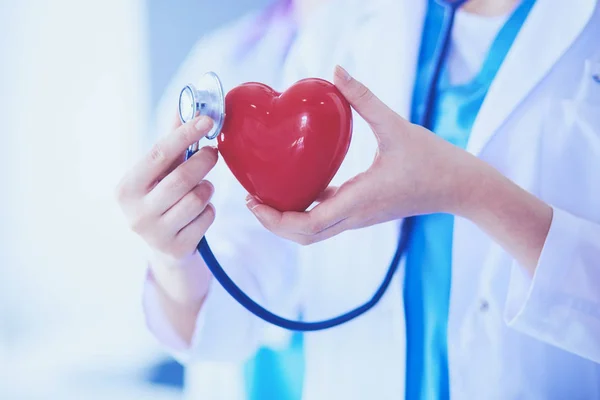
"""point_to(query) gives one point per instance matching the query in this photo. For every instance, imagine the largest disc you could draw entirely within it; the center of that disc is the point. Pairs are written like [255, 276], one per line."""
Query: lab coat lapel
[385, 50]
[551, 28]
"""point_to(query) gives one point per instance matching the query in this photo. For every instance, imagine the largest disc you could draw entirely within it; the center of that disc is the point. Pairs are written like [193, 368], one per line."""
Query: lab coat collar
[547, 34]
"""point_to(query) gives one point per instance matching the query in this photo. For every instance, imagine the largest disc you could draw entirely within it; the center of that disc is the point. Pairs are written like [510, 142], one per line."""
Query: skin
[416, 172]
[167, 202]
[489, 8]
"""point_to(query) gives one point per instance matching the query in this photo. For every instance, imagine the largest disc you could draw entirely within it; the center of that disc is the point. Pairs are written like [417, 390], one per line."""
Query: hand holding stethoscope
[167, 203]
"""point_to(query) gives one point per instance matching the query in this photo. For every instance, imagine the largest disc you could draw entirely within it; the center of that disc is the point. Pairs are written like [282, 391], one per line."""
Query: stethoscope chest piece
[207, 98]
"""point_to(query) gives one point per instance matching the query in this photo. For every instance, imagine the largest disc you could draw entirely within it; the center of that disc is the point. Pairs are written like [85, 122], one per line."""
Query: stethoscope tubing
[242, 298]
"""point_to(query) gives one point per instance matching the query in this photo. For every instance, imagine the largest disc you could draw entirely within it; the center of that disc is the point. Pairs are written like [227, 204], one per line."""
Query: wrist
[514, 218]
[466, 186]
[476, 186]
[168, 262]
[184, 280]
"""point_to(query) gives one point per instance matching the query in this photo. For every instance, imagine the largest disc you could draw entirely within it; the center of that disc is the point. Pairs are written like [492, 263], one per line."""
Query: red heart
[286, 148]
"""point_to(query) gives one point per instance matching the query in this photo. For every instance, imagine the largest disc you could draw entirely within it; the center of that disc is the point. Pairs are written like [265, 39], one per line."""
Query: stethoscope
[208, 99]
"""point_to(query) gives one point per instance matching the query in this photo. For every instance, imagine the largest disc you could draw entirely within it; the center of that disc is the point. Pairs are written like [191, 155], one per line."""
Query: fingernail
[203, 123]
[342, 73]
[211, 148]
[209, 185]
[251, 202]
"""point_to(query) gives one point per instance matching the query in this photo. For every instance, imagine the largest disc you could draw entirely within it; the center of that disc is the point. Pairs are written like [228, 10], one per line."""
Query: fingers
[178, 231]
[328, 218]
[373, 110]
[327, 193]
[334, 230]
[188, 238]
[301, 227]
[176, 121]
[164, 153]
[382, 119]
[173, 214]
[342, 209]
[189, 207]
[182, 180]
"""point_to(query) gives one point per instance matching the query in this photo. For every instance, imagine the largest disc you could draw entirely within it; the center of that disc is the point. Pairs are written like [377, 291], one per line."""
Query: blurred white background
[78, 83]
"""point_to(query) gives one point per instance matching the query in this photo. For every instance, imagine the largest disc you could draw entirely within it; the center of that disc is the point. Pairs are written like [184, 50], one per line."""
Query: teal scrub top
[276, 374]
[429, 257]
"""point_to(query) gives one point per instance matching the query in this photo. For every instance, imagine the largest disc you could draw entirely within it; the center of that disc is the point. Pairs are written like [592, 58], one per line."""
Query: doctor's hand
[414, 172]
[167, 201]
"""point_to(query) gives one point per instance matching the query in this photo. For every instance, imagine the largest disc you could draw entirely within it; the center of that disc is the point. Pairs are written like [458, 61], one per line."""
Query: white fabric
[472, 36]
[216, 376]
[510, 336]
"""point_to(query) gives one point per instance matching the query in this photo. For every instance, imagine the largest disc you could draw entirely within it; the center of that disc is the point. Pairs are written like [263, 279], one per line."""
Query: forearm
[208, 324]
[181, 290]
[514, 218]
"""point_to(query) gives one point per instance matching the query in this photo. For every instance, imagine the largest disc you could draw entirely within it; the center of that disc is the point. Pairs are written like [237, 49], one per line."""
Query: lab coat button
[596, 72]
[483, 305]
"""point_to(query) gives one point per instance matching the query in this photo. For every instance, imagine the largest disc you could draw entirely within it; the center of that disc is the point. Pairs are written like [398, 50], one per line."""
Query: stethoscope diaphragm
[207, 98]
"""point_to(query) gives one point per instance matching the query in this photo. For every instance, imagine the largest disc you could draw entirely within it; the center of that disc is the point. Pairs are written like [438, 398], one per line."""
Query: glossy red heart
[285, 148]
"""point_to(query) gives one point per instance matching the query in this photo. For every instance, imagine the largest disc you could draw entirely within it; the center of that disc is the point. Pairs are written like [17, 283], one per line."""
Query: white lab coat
[509, 336]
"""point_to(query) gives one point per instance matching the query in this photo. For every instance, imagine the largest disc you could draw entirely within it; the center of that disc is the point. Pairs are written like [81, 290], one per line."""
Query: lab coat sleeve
[211, 340]
[560, 305]
[263, 265]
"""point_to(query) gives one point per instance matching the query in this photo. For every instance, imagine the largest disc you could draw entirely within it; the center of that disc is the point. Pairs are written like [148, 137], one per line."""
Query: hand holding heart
[285, 148]
[414, 172]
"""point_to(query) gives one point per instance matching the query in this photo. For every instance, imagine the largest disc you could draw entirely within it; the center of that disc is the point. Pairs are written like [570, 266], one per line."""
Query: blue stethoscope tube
[243, 299]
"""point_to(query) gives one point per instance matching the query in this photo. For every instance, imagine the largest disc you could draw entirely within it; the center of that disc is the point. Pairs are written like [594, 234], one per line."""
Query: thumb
[176, 122]
[368, 106]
